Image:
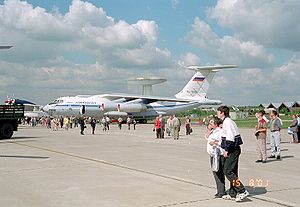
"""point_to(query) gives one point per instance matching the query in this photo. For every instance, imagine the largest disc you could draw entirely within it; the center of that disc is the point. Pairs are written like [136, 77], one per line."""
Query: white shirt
[176, 122]
[229, 129]
[214, 136]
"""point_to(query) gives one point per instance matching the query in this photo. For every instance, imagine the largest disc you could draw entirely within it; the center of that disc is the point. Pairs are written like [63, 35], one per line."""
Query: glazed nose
[45, 108]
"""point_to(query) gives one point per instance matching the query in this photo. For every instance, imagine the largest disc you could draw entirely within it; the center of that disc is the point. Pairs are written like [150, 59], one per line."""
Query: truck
[9, 119]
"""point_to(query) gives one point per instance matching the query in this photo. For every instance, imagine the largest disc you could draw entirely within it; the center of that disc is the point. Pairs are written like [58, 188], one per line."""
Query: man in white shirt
[231, 141]
[176, 126]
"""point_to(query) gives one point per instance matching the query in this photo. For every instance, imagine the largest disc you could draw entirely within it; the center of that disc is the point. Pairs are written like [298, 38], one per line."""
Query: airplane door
[82, 109]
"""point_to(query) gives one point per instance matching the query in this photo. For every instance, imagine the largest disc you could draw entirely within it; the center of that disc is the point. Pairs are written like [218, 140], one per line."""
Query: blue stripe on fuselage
[148, 106]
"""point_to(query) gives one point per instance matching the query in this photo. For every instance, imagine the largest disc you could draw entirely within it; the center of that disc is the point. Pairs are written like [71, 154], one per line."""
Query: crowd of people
[66, 123]
[171, 127]
[223, 140]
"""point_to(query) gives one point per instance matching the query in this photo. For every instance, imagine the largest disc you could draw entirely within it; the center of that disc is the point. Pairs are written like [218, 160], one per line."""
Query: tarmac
[128, 168]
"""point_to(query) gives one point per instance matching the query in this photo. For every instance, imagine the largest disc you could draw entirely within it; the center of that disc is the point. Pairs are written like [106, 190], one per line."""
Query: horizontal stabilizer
[211, 67]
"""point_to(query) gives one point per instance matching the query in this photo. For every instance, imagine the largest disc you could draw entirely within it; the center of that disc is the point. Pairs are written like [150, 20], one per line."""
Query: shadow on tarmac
[18, 139]
[256, 190]
[282, 157]
[23, 138]
[23, 157]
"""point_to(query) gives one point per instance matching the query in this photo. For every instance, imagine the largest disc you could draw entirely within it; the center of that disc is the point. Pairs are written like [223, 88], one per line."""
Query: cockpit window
[56, 101]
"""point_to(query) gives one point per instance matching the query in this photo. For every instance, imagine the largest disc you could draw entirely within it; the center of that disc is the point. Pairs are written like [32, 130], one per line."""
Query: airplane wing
[140, 98]
[5, 47]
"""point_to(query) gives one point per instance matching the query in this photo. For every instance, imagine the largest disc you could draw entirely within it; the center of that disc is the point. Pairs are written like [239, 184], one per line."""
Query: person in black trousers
[93, 125]
[231, 141]
[82, 125]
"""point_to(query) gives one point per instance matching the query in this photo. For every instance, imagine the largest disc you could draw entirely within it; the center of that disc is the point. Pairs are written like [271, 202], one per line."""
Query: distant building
[289, 106]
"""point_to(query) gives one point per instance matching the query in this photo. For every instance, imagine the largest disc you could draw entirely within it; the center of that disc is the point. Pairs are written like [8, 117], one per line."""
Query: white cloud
[256, 85]
[84, 28]
[227, 49]
[270, 23]
[19, 16]
[287, 76]
[83, 13]
[189, 59]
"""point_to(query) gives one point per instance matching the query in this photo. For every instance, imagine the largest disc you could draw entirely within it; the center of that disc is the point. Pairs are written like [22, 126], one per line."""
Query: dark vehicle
[9, 117]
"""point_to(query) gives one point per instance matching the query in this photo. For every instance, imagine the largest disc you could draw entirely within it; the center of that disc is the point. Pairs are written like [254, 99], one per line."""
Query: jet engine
[131, 108]
[109, 106]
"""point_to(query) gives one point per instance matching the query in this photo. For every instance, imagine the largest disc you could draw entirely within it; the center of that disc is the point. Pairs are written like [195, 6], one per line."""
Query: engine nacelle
[109, 106]
[131, 108]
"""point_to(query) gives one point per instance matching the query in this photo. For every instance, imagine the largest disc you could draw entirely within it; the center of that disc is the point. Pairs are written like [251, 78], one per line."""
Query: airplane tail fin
[198, 85]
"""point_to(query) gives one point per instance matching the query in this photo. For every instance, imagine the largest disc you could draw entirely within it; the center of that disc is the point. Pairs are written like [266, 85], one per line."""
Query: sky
[72, 47]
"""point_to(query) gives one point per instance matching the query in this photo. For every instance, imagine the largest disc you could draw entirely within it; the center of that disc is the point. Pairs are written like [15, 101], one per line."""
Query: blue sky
[90, 47]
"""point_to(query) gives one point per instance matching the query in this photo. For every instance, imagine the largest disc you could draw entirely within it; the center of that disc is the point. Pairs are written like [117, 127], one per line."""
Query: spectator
[187, 125]
[231, 141]
[261, 135]
[107, 122]
[93, 125]
[275, 127]
[134, 123]
[82, 125]
[162, 126]
[128, 122]
[104, 123]
[157, 128]
[298, 120]
[120, 120]
[213, 137]
[176, 127]
[170, 126]
[294, 128]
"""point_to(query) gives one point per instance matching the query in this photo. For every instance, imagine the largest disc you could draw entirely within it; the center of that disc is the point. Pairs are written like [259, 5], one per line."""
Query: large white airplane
[138, 106]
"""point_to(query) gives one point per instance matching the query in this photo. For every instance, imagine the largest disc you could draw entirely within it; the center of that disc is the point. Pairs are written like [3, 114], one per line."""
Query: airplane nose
[45, 108]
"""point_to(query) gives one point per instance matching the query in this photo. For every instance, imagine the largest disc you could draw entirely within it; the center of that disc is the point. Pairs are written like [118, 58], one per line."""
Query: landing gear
[142, 121]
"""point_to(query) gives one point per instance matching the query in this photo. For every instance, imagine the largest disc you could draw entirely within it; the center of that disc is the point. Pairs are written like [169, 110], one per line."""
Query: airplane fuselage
[97, 106]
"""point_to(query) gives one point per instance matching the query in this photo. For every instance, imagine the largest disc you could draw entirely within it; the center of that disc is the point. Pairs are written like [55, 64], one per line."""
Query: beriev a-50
[140, 107]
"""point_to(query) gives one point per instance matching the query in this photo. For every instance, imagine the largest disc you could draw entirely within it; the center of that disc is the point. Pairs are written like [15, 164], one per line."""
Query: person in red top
[261, 135]
[158, 128]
